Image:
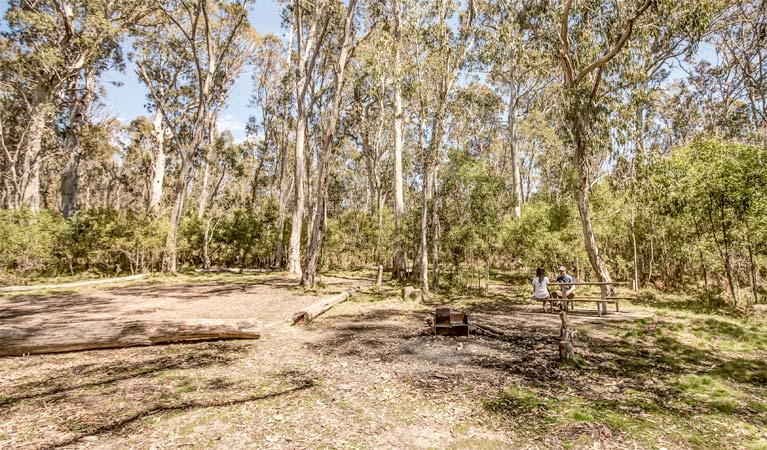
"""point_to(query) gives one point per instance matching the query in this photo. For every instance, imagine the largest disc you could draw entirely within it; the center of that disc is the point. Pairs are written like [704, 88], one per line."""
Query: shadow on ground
[625, 371]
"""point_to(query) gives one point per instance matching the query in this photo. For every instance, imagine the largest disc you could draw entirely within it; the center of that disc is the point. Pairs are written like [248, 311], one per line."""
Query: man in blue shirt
[564, 278]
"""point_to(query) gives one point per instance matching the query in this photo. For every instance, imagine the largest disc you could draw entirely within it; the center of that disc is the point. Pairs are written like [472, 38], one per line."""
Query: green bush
[101, 240]
[30, 242]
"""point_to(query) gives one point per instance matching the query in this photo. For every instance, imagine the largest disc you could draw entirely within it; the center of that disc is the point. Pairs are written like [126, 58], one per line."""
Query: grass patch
[517, 401]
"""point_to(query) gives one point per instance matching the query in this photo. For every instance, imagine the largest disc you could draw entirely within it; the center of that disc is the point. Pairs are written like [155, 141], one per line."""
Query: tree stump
[566, 351]
[379, 278]
[409, 292]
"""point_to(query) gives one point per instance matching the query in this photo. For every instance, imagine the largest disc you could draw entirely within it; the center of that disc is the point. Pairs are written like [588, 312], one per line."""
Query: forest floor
[361, 375]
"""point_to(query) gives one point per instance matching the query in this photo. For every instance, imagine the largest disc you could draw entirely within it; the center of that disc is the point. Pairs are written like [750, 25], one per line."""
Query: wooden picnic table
[600, 301]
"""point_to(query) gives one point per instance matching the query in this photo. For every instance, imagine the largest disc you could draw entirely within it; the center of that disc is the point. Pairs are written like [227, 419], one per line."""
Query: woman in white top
[540, 285]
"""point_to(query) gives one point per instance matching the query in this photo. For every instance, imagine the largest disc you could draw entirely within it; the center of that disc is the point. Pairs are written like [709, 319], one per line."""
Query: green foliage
[243, 237]
[30, 241]
[472, 216]
[100, 240]
[111, 241]
[546, 235]
[352, 239]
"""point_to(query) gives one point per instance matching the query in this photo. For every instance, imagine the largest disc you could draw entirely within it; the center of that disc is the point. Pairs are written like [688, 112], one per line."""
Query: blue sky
[127, 101]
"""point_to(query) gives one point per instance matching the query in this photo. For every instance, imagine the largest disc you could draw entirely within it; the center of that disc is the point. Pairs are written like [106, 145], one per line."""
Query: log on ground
[21, 339]
[315, 309]
[74, 284]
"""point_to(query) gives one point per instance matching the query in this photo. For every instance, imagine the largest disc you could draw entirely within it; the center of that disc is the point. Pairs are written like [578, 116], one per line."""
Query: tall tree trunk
[578, 128]
[430, 166]
[285, 186]
[635, 280]
[516, 178]
[158, 166]
[425, 202]
[399, 269]
[30, 179]
[78, 116]
[209, 155]
[169, 258]
[435, 232]
[294, 249]
[314, 249]
[284, 197]
[306, 54]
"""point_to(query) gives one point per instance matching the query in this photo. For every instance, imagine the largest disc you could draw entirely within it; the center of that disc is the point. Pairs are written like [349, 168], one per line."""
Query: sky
[127, 100]
[126, 96]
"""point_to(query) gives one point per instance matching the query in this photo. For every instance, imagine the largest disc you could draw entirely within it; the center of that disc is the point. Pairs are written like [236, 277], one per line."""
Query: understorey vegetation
[443, 140]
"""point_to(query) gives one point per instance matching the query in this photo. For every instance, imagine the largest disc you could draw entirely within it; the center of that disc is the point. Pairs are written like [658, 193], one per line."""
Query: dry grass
[362, 377]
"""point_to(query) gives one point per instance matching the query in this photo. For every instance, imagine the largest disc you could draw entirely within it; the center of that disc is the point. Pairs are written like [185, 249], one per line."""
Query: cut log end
[308, 314]
[301, 318]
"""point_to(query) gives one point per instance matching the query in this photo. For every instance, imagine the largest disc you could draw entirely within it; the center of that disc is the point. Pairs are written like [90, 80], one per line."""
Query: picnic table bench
[601, 301]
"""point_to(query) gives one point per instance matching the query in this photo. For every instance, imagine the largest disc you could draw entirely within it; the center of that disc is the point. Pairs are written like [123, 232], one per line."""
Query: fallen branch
[232, 270]
[315, 309]
[75, 284]
[487, 330]
[68, 337]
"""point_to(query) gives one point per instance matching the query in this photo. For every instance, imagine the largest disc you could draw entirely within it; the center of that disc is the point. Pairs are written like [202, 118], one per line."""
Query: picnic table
[601, 301]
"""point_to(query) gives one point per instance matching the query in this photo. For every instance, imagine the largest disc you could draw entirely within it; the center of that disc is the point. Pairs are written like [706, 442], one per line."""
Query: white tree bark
[400, 263]
[158, 165]
[78, 117]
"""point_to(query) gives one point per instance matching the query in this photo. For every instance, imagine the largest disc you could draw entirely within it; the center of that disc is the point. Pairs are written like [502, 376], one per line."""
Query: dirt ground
[360, 376]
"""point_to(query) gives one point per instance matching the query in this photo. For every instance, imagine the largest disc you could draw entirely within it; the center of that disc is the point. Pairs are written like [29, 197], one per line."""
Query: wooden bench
[601, 301]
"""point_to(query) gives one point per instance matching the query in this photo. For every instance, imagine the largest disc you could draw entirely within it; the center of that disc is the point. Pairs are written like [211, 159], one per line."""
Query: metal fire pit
[451, 323]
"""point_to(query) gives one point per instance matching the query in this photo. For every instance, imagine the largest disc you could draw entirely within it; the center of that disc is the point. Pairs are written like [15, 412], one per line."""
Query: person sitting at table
[564, 278]
[540, 285]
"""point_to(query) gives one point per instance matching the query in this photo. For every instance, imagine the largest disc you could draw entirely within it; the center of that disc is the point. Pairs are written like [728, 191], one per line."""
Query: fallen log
[21, 339]
[233, 270]
[315, 309]
[487, 330]
[75, 284]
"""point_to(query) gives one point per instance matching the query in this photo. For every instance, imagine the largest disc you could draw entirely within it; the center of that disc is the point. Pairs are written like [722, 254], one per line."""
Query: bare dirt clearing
[360, 376]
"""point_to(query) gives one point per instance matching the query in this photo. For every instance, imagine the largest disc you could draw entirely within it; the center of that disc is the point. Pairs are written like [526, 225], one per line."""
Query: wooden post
[563, 294]
[379, 278]
[603, 306]
[566, 351]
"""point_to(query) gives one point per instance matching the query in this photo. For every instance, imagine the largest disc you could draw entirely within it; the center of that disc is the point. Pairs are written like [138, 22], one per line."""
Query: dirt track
[358, 377]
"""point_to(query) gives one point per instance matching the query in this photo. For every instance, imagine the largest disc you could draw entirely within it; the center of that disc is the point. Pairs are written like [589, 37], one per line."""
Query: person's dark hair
[539, 274]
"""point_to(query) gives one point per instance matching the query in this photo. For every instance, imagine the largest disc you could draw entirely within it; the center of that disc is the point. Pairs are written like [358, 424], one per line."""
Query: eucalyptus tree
[645, 66]
[346, 39]
[399, 267]
[273, 97]
[368, 122]
[47, 44]
[589, 48]
[741, 40]
[518, 69]
[444, 47]
[310, 21]
[80, 104]
[189, 56]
